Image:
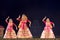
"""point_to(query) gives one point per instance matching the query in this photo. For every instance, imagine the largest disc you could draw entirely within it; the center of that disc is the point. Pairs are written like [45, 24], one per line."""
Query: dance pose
[24, 31]
[47, 32]
[10, 33]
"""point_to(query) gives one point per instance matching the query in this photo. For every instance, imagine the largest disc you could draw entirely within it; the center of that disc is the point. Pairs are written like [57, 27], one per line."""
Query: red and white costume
[10, 33]
[24, 31]
[47, 32]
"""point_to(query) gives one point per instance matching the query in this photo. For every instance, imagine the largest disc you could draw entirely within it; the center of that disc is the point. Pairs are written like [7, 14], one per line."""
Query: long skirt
[47, 34]
[24, 33]
[10, 33]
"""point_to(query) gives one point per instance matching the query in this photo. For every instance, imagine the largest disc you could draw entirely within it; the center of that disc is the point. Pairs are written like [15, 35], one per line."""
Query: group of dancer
[24, 31]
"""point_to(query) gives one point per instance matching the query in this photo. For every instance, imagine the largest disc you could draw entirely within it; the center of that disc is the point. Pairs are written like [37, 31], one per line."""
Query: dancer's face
[10, 20]
[47, 20]
[24, 17]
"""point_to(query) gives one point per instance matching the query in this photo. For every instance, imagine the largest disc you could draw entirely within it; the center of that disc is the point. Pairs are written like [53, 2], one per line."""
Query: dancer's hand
[45, 17]
[53, 25]
[29, 25]
[16, 28]
[18, 17]
[7, 18]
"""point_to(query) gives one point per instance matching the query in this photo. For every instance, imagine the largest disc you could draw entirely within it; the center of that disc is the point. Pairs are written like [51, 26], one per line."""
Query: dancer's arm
[15, 26]
[18, 18]
[29, 22]
[53, 24]
[19, 25]
[44, 19]
[7, 19]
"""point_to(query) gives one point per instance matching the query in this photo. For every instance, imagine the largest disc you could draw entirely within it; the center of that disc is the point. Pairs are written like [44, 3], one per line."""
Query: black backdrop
[35, 10]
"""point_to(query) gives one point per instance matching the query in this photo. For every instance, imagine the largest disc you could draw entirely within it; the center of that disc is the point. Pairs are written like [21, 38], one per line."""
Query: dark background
[35, 10]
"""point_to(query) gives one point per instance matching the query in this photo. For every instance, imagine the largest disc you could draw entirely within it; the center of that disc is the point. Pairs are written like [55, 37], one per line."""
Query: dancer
[47, 32]
[24, 31]
[10, 33]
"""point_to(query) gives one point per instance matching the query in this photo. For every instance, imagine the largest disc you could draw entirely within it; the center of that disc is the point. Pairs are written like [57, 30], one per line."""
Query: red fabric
[45, 22]
[47, 27]
[10, 27]
[51, 22]
[23, 24]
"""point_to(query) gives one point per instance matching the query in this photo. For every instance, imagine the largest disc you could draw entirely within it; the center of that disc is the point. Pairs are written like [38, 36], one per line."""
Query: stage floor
[31, 39]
